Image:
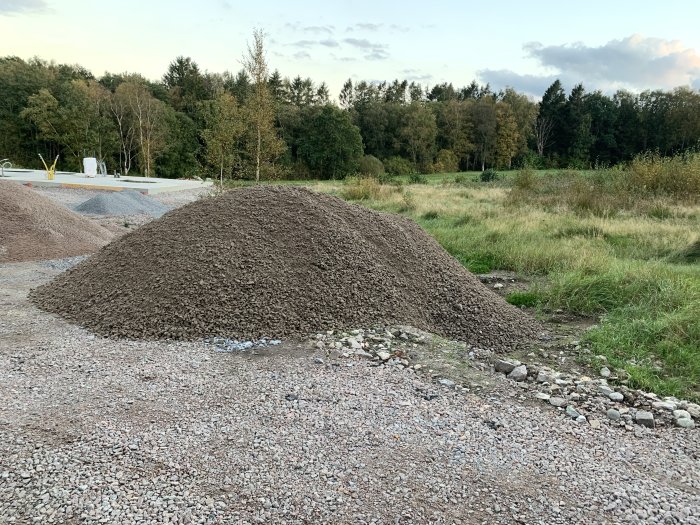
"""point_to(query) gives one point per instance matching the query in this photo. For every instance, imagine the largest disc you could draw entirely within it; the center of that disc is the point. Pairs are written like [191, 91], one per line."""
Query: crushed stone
[33, 227]
[279, 262]
[122, 203]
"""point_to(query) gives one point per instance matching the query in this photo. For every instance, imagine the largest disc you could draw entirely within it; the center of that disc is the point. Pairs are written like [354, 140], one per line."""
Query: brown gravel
[279, 261]
[32, 227]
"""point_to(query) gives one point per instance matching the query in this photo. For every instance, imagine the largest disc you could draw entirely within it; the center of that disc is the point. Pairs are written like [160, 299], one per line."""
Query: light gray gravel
[102, 431]
[122, 203]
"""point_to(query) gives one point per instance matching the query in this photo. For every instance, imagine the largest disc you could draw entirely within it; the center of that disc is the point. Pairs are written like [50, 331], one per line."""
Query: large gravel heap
[117, 203]
[33, 227]
[278, 261]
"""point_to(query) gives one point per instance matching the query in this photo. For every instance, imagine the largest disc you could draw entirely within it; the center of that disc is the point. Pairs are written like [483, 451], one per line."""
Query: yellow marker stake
[50, 172]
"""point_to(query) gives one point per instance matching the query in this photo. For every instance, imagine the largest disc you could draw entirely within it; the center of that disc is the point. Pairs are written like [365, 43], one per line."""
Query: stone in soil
[505, 366]
[644, 418]
[557, 401]
[519, 373]
[613, 414]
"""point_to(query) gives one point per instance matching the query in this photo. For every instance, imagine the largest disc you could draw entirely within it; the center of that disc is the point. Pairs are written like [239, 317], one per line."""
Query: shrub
[460, 178]
[488, 175]
[417, 178]
[677, 176]
[360, 189]
[371, 166]
[525, 180]
[409, 203]
[398, 166]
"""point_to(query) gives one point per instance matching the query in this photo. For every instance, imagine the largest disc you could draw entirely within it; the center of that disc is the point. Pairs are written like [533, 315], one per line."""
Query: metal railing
[5, 164]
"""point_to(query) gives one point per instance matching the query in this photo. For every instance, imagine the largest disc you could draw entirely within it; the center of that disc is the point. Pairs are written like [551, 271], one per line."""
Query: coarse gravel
[33, 227]
[95, 430]
[278, 261]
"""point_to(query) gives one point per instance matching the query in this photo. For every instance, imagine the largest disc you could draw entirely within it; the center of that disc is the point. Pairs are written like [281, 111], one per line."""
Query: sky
[606, 45]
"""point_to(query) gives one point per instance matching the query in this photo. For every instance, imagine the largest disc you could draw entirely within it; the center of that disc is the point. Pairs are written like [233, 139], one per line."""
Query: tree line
[255, 124]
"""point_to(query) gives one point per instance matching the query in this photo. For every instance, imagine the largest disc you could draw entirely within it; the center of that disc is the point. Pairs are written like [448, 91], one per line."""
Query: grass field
[630, 261]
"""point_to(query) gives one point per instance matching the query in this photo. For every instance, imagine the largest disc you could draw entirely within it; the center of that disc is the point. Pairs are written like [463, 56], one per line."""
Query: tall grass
[606, 244]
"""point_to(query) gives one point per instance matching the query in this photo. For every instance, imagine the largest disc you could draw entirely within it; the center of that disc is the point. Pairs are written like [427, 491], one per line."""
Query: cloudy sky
[604, 44]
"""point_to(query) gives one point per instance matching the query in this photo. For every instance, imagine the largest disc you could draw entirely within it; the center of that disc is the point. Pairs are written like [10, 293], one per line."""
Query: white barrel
[90, 166]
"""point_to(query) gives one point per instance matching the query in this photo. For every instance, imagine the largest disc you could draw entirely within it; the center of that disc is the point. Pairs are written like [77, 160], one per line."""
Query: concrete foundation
[63, 179]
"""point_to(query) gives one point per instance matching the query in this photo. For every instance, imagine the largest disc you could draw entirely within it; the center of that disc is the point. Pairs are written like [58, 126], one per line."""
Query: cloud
[366, 26]
[401, 29]
[329, 42]
[21, 6]
[534, 85]
[362, 43]
[373, 28]
[635, 62]
[377, 54]
[415, 75]
[304, 43]
[316, 30]
[373, 50]
[302, 55]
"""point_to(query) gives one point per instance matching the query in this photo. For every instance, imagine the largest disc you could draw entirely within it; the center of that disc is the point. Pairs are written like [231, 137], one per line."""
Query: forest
[194, 123]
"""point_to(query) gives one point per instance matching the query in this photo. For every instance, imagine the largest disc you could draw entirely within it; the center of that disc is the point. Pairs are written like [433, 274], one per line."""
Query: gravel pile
[121, 203]
[276, 262]
[32, 227]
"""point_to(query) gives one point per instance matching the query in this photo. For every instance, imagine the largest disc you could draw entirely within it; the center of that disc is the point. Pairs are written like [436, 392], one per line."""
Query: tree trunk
[257, 160]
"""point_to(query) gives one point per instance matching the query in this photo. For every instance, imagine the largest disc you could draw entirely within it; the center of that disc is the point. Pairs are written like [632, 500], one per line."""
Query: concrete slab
[63, 179]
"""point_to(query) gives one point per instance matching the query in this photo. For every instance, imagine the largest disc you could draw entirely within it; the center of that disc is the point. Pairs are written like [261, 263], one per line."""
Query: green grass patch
[526, 299]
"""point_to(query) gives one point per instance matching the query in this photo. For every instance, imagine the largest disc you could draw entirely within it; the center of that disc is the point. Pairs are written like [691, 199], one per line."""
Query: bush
[525, 180]
[488, 175]
[371, 166]
[677, 176]
[446, 162]
[417, 178]
[408, 204]
[398, 166]
[360, 189]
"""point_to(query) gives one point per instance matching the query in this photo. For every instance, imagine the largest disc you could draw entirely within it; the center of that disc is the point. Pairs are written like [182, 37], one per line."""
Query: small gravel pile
[118, 203]
[32, 227]
[277, 262]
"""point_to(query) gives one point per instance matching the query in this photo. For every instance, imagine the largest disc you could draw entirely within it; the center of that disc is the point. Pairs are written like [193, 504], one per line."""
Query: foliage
[331, 146]
[362, 189]
[262, 145]
[417, 178]
[446, 162]
[488, 175]
[370, 166]
[59, 109]
[223, 135]
[398, 166]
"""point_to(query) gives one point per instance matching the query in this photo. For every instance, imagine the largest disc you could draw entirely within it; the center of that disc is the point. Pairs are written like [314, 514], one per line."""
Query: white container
[90, 166]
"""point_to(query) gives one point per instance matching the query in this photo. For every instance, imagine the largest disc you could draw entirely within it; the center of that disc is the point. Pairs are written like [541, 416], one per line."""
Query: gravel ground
[105, 431]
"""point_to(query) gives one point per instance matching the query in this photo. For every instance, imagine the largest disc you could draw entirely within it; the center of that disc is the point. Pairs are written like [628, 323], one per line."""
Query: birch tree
[263, 144]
